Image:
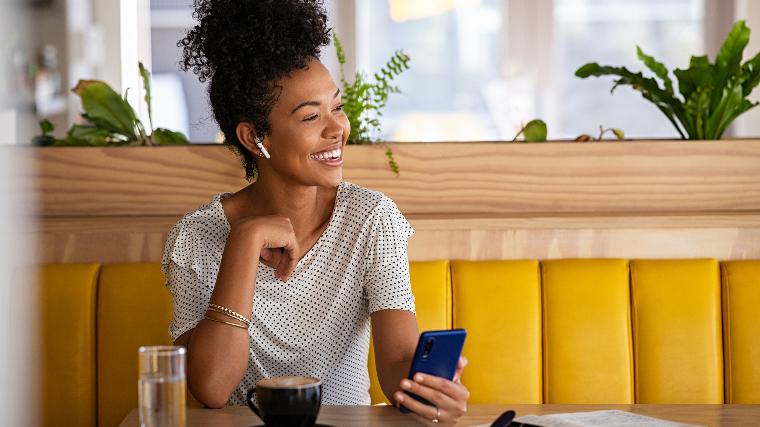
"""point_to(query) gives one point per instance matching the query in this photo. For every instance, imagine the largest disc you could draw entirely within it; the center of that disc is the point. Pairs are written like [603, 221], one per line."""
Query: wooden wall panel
[129, 239]
[644, 199]
[436, 178]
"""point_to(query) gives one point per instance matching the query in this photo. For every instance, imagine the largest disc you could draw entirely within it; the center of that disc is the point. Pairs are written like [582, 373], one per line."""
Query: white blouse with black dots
[316, 324]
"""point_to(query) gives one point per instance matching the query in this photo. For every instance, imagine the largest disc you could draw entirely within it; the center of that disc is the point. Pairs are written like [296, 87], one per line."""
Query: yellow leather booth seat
[499, 304]
[741, 330]
[67, 319]
[560, 331]
[587, 332]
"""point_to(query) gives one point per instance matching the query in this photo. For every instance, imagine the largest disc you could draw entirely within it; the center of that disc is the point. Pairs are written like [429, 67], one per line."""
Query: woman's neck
[308, 207]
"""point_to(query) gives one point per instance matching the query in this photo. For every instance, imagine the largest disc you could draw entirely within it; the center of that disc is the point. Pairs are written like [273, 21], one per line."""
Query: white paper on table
[613, 417]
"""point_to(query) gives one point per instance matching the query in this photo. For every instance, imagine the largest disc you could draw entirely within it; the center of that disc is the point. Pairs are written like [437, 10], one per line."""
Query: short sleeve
[190, 269]
[387, 285]
[190, 299]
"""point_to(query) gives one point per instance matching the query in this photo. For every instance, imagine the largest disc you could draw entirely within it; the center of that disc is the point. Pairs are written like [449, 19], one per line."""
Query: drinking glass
[161, 387]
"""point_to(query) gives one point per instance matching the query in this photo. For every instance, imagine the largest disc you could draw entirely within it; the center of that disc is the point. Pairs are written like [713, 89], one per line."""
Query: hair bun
[259, 36]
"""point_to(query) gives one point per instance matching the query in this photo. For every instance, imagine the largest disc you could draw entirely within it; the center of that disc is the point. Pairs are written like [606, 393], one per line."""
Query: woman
[285, 276]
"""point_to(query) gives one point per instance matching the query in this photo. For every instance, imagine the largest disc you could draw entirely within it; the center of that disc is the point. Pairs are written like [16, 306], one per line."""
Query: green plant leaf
[730, 54]
[89, 135]
[104, 106]
[535, 131]
[728, 61]
[698, 110]
[730, 101]
[657, 68]
[145, 74]
[391, 161]
[648, 87]
[699, 73]
[743, 107]
[751, 72]
[339, 50]
[163, 136]
[46, 126]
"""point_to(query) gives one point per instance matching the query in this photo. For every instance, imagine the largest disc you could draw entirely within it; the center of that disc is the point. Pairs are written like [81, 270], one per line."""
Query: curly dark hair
[244, 47]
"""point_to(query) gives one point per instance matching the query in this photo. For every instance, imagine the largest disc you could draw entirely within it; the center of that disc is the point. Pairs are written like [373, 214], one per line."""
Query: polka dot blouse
[318, 323]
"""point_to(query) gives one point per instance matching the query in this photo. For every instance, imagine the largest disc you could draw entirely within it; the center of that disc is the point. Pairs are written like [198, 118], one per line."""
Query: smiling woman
[284, 277]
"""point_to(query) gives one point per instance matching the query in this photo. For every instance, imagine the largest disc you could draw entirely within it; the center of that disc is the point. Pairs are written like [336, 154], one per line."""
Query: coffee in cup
[287, 401]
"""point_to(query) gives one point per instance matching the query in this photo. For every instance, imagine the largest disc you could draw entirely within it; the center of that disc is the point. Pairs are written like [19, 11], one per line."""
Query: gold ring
[437, 415]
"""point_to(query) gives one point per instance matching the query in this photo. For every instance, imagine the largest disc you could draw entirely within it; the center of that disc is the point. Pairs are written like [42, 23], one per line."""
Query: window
[607, 31]
[480, 68]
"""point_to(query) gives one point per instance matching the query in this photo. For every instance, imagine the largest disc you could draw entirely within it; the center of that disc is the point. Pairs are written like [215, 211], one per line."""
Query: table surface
[706, 415]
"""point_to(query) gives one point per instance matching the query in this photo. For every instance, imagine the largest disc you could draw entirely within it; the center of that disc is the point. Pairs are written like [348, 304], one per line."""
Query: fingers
[440, 399]
[425, 411]
[285, 268]
[456, 391]
[271, 256]
[288, 261]
[460, 367]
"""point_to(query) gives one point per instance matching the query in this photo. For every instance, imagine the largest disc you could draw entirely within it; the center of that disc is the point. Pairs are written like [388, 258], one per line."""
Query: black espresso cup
[287, 401]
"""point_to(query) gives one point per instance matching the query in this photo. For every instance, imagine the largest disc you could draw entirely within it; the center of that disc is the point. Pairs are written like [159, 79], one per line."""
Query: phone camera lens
[426, 349]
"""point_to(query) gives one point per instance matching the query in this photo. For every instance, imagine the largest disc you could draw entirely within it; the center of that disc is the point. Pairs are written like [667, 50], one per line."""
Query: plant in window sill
[365, 98]
[533, 131]
[109, 120]
[619, 134]
[712, 95]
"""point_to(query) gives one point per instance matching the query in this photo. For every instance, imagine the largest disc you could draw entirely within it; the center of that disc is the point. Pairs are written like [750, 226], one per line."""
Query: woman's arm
[395, 335]
[218, 353]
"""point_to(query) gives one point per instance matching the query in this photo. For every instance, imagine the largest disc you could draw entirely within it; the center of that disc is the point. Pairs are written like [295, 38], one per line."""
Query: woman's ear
[247, 136]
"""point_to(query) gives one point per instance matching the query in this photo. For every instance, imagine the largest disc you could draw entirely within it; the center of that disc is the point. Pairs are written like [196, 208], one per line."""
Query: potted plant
[365, 97]
[109, 120]
[709, 95]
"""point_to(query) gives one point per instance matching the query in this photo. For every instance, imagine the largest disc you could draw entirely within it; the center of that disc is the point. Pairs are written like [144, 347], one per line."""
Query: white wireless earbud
[264, 152]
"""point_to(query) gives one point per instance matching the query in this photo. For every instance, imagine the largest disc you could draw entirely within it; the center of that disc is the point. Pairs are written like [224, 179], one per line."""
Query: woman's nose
[333, 128]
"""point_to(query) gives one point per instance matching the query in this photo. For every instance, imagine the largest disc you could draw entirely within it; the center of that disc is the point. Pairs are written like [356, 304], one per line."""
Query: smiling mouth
[329, 156]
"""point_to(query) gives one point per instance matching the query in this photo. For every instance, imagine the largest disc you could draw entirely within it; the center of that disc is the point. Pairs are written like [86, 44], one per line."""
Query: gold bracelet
[227, 323]
[234, 314]
[224, 313]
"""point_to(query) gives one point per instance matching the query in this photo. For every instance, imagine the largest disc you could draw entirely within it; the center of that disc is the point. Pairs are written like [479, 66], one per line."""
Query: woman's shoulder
[370, 208]
[209, 217]
[197, 232]
[363, 201]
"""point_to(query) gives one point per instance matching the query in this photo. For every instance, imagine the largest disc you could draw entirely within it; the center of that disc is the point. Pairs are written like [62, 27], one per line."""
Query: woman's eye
[339, 108]
[310, 118]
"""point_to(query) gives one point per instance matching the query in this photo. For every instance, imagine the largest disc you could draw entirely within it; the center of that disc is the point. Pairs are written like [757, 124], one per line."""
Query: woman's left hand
[448, 399]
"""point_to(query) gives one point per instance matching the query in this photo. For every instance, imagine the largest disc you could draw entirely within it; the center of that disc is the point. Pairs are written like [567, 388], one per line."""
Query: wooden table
[707, 415]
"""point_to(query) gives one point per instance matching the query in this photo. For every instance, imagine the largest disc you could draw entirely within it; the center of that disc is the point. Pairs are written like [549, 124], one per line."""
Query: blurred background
[479, 68]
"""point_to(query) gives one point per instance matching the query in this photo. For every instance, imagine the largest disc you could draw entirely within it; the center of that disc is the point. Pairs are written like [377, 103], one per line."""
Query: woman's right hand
[274, 237]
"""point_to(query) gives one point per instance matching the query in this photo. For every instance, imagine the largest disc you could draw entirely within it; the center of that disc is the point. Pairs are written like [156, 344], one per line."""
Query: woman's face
[308, 130]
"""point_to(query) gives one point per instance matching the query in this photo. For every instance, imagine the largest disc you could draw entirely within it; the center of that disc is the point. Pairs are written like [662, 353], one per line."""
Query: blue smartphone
[437, 354]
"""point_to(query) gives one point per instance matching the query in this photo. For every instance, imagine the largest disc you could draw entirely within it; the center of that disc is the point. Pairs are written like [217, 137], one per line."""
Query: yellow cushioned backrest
[587, 331]
[677, 331]
[741, 326]
[431, 286]
[134, 309]
[499, 304]
[67, 311]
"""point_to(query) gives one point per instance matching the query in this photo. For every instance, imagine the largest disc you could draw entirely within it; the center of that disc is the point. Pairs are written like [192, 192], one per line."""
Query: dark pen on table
[506, 420]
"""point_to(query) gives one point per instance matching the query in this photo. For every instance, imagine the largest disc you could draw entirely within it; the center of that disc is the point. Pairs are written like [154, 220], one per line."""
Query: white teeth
[328, 155]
